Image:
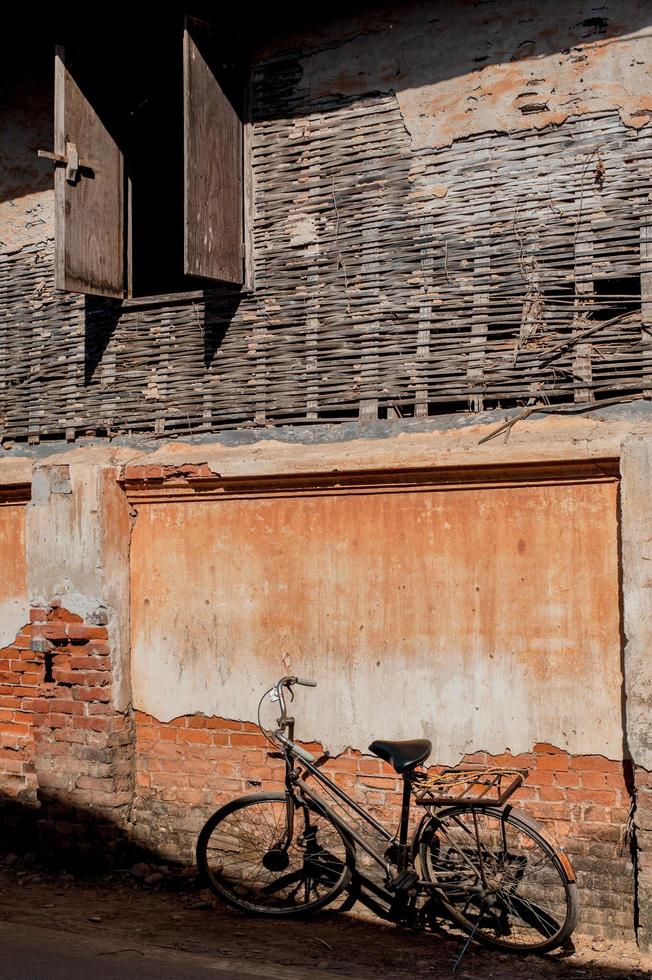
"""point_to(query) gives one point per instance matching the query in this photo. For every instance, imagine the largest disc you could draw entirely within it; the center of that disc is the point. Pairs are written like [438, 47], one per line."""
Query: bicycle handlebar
[285, 721]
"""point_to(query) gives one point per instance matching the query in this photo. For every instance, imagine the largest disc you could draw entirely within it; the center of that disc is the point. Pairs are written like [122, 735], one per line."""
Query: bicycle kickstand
[468, 941]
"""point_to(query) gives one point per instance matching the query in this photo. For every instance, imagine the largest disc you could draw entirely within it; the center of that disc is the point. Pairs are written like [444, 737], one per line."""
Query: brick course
[96, 778]
[189, 766]
[65, 753]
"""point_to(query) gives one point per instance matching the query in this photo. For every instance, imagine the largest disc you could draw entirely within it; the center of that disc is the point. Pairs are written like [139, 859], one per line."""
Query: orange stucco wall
[484, 616]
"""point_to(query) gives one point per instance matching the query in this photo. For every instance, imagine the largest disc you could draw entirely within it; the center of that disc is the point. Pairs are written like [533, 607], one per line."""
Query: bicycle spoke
[250, 862]
[524, 902]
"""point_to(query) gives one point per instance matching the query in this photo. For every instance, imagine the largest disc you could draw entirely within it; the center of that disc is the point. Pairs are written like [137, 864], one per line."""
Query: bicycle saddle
[402, 755]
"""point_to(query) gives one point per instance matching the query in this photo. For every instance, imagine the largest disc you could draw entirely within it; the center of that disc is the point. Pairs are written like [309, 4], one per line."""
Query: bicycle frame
[406, 876]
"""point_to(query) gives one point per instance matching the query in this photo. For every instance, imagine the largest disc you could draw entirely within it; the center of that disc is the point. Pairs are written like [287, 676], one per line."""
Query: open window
[151, 160]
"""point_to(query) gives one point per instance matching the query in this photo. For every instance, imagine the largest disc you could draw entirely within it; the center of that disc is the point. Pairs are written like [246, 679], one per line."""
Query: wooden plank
[646, 298]
[425, 318]
[213, 157]
[369, 362]
[89, 219]
[249, 189]
[584, 294]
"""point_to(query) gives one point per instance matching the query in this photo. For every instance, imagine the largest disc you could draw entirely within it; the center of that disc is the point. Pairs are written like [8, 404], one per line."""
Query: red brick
[196, 721]
[225, 724]
[245, 738]
[195, 735]
[54, 720]
[91, 694]
[58, 614]
[51, 631]
[66, 707]
[96, 724]
[97, 648]
[147, 732]
[83, 661]
[99, 708]
[11, 702]
[594, 780]
[603, 797]
[83, 632]
[552, 794]
[556, 762]
[220, 738]
[567, 778]
[150, 472]
[368, 766]
[595, 763]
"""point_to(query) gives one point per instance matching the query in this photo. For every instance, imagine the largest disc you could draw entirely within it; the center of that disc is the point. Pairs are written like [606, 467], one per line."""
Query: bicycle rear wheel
[245, 859]
[498, 877]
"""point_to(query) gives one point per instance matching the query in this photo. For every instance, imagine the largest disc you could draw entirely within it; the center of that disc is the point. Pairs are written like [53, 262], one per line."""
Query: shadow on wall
[65, 836]
[158, 334]
[355, 50]
[32, 834]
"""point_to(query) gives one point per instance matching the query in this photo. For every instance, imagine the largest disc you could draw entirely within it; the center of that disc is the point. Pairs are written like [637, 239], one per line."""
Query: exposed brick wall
[65, 753]
[188, 767]
[68, 756]
[21, 673]
[643, 824]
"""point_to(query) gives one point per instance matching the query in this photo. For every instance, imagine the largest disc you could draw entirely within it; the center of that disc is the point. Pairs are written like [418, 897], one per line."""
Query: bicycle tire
[527, 901]
[237, 858]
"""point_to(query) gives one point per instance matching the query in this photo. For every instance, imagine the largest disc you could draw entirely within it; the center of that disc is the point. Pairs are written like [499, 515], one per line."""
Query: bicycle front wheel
[497, 876]
[246, 859]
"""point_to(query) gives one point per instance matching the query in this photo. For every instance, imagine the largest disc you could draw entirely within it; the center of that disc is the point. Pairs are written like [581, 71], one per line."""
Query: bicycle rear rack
[479, 786]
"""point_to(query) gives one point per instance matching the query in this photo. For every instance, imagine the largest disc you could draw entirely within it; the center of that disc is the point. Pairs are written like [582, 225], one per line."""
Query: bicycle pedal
[404, 881]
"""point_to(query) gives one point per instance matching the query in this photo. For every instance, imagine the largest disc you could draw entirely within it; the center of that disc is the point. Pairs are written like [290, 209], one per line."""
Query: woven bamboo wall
[502, 270]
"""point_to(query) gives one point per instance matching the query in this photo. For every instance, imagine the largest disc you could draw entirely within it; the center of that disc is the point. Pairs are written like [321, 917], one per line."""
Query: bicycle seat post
[403, 850]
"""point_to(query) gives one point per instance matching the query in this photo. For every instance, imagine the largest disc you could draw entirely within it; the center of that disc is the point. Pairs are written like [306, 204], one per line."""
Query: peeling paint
[14, 606]
[452, 614]
[470, 70]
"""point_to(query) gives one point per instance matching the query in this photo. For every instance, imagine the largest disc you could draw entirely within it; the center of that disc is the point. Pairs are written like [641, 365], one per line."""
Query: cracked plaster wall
[464, 68]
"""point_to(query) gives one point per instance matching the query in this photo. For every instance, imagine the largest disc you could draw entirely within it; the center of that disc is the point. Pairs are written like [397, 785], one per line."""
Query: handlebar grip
[306, 682]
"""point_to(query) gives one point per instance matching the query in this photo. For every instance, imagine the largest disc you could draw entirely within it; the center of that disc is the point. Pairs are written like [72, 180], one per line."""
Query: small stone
[95, 918]
[50, 906]
[201, 905]
[141, 870]
[11, 859]
[154, 878]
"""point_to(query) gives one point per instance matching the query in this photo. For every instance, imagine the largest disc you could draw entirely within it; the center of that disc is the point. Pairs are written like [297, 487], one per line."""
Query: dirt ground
[169, 915]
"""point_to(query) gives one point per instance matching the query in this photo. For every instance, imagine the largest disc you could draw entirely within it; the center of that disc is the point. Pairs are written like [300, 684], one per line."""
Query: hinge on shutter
[70, 160]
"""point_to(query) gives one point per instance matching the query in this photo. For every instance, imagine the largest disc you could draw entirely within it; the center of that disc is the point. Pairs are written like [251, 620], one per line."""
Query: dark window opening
[157, 114]
[615, 297]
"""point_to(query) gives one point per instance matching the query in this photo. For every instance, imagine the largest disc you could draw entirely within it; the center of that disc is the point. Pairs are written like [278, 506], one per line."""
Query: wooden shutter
[90, 208]
[213, 83]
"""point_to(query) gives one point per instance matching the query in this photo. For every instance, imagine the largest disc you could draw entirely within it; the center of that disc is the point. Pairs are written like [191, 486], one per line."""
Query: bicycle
[472, 859]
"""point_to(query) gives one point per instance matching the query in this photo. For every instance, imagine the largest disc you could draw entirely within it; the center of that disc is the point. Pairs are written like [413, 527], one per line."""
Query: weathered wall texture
[14, 605]
[460, 69]
[192, 764]
[425, 238]
[450, 196]
[440, 612]
[257, 524]
[26, 197]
